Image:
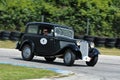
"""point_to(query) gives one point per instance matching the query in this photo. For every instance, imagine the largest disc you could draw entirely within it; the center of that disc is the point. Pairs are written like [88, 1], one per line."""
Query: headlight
[92, 45]
[78, 42]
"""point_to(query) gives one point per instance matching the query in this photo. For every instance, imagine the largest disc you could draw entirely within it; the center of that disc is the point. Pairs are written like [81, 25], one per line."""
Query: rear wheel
[69, 58]
[93, 61]
[50, 59]
[27, 53]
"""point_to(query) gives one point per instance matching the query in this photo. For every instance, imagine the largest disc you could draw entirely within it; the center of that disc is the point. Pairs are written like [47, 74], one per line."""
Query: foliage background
[103, 15]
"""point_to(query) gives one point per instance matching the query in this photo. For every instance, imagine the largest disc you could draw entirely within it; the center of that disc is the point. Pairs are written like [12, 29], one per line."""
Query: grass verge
[7, 44]
[109, 51]
[10, 72]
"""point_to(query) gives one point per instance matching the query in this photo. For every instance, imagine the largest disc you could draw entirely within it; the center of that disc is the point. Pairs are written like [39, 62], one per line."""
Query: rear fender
[28, 42]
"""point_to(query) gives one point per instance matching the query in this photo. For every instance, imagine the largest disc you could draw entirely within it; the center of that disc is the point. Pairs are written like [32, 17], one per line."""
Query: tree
[103, 16]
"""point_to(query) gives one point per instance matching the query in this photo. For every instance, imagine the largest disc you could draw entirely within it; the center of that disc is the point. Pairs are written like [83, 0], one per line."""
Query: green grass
[109, 51]
[7, 44]
[10, 72]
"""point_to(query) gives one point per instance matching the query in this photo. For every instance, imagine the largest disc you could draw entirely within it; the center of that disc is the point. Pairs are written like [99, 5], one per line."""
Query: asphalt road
[107, 68]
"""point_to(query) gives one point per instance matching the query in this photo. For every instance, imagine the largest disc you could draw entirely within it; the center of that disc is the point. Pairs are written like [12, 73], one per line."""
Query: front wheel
[69, 58]
[93, 61]
[27, 53]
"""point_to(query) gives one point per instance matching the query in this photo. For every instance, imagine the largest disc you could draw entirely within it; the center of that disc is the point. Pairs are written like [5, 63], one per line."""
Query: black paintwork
[53, 46]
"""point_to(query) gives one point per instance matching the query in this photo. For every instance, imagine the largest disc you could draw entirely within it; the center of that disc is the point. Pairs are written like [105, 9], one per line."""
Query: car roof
[55, 25]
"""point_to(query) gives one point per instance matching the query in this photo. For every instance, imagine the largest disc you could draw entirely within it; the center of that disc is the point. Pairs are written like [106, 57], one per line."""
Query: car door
[45, 43]
[46, 46]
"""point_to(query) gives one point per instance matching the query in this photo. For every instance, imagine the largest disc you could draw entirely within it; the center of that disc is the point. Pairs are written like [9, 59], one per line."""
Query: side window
[40, 31]
[32, 29]
[47, 32]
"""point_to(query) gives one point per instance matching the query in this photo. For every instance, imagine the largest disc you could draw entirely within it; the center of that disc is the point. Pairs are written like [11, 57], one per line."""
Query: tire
[99, 41]
[5, 35]
[110, 42]
[89, 38]
[117, 44]
[93, 61]
[79, 36]
[50, 59]
[27, 53]
[0, 35]
[69, 58]
[15, 36]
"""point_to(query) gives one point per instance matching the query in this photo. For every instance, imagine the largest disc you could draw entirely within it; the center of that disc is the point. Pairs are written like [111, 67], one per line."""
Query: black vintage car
[55, 41]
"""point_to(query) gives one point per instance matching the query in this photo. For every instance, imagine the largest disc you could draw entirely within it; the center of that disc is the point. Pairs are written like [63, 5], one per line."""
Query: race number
[43, 41]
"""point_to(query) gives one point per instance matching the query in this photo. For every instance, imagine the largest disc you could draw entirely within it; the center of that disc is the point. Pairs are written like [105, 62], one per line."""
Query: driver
[45, 31]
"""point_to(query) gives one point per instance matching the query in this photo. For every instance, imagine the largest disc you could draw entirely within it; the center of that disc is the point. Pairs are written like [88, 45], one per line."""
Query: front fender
[75, 49]
[94, 52]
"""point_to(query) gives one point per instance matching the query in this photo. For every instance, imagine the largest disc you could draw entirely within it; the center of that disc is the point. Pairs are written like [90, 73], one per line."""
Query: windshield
[64, 32]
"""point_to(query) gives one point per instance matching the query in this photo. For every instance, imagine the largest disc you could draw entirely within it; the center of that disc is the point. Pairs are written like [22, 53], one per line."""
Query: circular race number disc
[43, 41]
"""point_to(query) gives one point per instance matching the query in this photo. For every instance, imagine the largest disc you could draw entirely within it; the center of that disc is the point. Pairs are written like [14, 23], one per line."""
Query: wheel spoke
[69, 58]
[26, 53]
